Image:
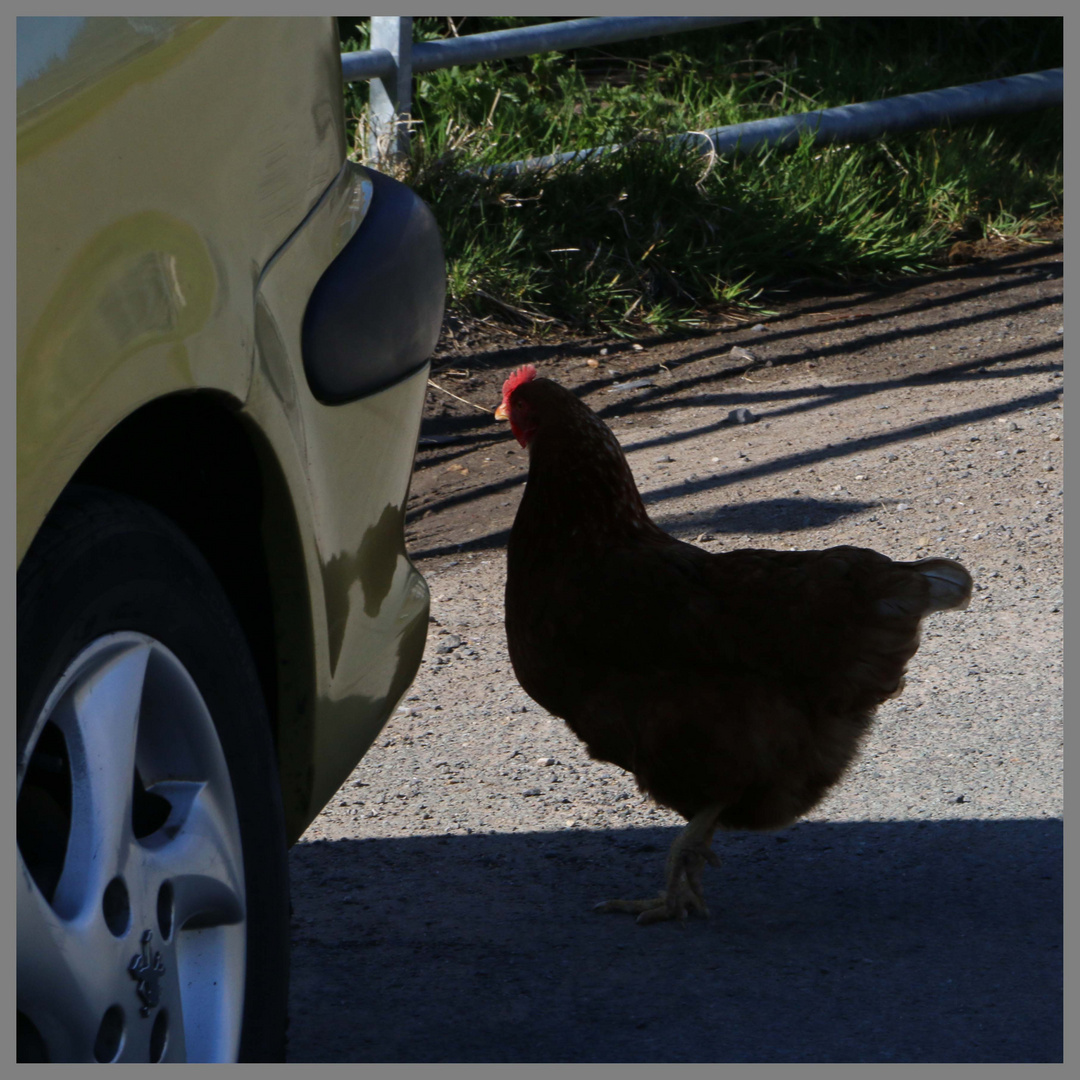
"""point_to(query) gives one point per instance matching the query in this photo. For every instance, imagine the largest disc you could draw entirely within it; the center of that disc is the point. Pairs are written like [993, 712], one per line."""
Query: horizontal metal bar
[851, 123]
[367, 64]
[501, 44]
[907, 112]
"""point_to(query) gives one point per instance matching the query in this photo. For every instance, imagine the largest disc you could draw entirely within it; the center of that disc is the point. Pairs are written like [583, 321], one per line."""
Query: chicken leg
[685, 862]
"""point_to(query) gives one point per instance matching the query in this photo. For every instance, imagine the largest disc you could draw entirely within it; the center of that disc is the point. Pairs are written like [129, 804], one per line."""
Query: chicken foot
[685, 862]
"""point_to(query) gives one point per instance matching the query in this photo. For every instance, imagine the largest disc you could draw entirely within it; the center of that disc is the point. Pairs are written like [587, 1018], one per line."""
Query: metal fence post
[390, 98]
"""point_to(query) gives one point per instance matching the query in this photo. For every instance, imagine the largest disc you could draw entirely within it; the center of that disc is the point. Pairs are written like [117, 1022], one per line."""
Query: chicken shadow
[915, 941]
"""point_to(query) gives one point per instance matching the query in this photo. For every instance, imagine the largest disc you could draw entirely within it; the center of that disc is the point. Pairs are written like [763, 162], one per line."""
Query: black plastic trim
[375, 314]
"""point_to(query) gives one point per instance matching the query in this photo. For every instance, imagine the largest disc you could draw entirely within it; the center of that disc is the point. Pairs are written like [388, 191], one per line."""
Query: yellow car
[223, 338]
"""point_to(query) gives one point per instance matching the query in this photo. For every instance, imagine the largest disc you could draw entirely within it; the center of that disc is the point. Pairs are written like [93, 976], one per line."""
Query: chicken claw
[685, 862]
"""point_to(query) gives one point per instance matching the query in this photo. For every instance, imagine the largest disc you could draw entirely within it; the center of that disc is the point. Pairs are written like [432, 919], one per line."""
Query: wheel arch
[195, 458]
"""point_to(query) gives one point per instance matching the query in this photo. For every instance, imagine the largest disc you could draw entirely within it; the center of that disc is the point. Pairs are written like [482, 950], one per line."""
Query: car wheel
[153, 883]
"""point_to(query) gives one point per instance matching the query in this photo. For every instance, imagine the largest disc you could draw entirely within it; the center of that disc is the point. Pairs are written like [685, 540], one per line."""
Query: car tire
[153, 901]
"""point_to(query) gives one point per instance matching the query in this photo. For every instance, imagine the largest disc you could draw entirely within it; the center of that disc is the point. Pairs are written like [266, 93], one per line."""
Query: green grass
[656, 236]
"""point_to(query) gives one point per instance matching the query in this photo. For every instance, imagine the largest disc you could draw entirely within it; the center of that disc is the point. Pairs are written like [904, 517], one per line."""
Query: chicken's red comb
[525, 373]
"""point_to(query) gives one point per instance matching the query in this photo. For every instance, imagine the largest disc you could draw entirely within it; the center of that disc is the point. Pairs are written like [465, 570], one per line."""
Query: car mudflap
[375, 314]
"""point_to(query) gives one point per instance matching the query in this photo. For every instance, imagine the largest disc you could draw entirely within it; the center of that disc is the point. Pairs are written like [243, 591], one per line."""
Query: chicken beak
[501, 413]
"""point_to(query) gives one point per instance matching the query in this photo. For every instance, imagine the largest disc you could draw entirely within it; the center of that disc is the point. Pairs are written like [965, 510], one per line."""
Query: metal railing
[393, 59]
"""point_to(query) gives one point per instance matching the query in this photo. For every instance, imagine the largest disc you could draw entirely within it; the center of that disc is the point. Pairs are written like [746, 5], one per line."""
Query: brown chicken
[735, 686]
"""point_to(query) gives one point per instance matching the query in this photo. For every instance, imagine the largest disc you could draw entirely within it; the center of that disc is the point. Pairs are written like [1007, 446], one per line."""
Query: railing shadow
[463, 435]
[469, 433]
[865, 941]
[658, 497]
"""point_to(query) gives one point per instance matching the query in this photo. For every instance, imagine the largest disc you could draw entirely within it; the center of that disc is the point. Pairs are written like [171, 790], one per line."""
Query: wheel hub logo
[147, 970]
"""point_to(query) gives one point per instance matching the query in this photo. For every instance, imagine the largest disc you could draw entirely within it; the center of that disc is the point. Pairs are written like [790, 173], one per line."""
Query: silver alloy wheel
[136, 951]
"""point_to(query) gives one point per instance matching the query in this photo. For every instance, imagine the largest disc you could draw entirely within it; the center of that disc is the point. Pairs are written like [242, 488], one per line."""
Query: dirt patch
[442, 901]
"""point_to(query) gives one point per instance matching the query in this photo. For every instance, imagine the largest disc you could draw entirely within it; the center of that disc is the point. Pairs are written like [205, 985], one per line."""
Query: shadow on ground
[1045, 357]
[865, 941]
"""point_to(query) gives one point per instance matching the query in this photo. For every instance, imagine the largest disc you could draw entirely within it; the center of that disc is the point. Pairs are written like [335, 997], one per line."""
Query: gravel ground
[442, 901]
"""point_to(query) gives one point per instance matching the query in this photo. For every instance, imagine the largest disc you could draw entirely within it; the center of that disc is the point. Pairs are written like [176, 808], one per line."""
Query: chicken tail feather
[950, 583]
[943, 585]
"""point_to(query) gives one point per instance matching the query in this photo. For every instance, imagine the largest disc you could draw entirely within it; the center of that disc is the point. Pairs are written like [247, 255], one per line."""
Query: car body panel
[136, 259]
[168, 244]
